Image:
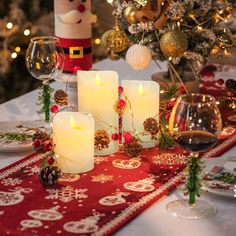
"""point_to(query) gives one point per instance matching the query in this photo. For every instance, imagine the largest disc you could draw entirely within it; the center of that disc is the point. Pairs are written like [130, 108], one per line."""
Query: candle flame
[98, 80]
[140, 90]
[73, 123]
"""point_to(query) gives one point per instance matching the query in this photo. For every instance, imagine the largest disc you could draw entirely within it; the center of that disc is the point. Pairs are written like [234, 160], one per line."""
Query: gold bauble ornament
[104, 38]
[174, 43]
[129, 14]
[117, 40]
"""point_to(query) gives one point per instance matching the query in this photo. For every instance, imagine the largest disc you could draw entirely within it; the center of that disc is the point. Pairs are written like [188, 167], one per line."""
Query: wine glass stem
[193, 175]
[46, 101]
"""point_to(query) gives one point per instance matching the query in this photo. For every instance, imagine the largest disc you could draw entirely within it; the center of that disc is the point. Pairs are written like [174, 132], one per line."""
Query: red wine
[195, 141]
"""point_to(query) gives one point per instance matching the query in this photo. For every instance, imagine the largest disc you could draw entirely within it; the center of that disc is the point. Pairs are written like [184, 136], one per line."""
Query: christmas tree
[183, 32]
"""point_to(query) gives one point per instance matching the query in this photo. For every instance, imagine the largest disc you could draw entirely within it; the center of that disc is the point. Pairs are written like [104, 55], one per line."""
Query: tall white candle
[97, 94]
[73, 136]
[144, 100]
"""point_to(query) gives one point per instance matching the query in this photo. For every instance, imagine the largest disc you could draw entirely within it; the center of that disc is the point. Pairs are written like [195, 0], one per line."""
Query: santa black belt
[77, 52]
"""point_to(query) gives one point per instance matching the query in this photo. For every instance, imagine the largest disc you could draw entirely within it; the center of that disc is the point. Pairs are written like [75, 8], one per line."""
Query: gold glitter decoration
[174, 43]
[117, 40]
[129, 14]
[104, 38]
[118, 109]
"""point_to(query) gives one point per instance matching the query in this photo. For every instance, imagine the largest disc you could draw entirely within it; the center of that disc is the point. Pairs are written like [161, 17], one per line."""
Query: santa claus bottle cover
[73, 20]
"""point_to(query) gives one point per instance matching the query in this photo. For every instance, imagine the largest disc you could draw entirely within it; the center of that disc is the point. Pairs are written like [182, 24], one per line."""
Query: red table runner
[97, 202]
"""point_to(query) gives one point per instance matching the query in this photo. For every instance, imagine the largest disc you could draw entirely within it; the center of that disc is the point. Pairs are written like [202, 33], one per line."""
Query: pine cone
[42, 142]
[61, 98]
[151, 126]
[49, 175]
[101, 139]
[133, 148]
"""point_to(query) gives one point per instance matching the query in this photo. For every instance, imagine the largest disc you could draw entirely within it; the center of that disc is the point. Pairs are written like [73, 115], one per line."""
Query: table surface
[155, 220]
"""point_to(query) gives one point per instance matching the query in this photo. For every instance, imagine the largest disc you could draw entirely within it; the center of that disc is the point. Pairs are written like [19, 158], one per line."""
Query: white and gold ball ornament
[174, 43]
[138, 57]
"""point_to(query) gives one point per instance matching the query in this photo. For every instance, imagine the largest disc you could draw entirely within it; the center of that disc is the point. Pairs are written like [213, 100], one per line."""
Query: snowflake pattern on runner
[102, 178]
[31, 170]
[66, 194]
[11, 181]
[98, 159]
[170, 159]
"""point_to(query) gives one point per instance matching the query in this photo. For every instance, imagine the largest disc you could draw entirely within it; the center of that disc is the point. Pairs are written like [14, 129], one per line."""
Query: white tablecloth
[155, 220]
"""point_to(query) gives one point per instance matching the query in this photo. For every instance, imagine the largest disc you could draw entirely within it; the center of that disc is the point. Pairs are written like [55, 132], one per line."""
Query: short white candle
[144, 99]
[73, 136]
[97, 94]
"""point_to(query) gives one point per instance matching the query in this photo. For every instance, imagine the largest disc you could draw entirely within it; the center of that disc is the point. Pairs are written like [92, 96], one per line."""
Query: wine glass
[195, 124]
[45, 60]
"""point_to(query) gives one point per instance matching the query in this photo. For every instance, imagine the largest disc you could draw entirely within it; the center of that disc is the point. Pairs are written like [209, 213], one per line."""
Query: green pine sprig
[165, 140]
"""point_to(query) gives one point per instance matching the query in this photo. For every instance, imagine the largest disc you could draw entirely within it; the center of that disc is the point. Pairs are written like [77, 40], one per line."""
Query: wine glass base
[182, 209]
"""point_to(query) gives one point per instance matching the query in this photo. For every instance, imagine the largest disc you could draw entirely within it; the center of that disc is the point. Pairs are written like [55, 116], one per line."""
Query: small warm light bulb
[140, 90]
[98, 80]
[178, 24]
[17, 49]
[9, 25]
[73, 123]
[169, 58]
[14, 55]
[26, 32]
[226, 52]
[110, 1]
[199, 28]
[97, 41]
[38, 66]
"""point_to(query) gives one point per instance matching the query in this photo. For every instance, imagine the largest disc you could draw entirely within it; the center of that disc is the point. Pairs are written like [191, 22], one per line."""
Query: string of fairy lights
[27, 32]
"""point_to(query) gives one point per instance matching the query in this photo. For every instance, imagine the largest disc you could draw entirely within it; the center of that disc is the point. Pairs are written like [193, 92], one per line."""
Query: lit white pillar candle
[73, 136]
[144, 100]
[97, 94]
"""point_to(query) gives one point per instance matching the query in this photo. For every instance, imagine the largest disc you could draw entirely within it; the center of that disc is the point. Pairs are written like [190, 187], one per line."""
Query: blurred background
[21, 20]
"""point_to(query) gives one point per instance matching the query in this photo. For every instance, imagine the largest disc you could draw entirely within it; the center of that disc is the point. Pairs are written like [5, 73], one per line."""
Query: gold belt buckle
[72, 52]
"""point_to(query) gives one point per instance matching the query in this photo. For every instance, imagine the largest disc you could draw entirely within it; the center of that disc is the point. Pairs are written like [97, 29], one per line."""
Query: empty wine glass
[45, 60]
[195, 124]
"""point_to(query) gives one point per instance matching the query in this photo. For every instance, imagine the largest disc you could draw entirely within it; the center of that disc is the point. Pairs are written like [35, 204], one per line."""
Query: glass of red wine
[195, 124]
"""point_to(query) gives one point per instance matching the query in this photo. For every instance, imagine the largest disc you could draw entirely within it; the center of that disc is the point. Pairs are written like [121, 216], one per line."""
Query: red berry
[47, 145]
[121, 103]
[167, 116]
[37, 142]
[182, 90]
[170, 104]
[220, 81]
[75, 69]
[81, 8]
[120, 89]
[51, 160]
[115, 136]
[128, 137]
[54, 108]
